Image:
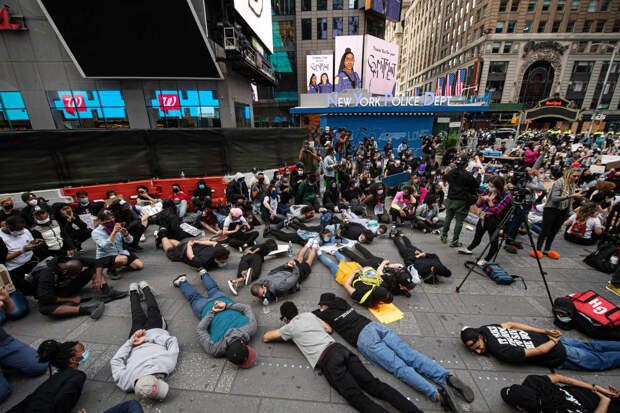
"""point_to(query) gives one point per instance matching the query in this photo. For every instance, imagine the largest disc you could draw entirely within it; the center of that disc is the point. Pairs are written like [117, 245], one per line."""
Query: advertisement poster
[348, 59]
[319, 73]
[387, 8]
[380, 66]
[257, 14]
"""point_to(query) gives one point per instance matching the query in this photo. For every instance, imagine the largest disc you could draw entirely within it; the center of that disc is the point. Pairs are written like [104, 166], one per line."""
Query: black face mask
[8, 207]
[175, 190]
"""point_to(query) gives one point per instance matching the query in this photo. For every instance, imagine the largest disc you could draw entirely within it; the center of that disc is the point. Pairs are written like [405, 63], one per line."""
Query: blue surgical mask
[222, 264]
[85, 355]
[564, 319]
[84, 200]
[201, 186]
[327, 239]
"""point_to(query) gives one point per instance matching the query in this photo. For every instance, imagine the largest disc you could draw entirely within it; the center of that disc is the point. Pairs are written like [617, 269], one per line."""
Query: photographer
[309, 158]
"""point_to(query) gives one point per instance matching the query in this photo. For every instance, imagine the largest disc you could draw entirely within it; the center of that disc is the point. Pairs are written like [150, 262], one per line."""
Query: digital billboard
[387, 8]
[380, 66]
[319, 73]
[257, 14]
[348, 57]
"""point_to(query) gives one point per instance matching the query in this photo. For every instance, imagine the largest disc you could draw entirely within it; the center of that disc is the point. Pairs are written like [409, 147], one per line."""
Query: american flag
[460, 81]
[417, 91]
[449, 84]
[440, 84]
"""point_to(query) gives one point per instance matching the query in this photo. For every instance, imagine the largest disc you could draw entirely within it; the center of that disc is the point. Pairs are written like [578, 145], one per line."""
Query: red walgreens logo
[5, 23]
[73, 103]
[168, 102]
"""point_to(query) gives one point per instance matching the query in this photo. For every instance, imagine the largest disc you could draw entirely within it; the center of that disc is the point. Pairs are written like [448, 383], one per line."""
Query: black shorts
[107, 262]
[304, 271]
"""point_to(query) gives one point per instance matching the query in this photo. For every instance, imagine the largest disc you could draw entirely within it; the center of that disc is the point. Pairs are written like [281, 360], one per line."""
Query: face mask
[564, 319]
[222, 264]
[360, 239]
[8, 207]
[311, 144]
[274, 194]
[201, 186]
[380, 192]
[42, 221]
[175, 190]
[368, 182]
[84, 200]
[17, 233]
[85, 355]
[327, 239]
[287, 173]
[300, 172]
[547, 176]
[32, 202]
[109, 226]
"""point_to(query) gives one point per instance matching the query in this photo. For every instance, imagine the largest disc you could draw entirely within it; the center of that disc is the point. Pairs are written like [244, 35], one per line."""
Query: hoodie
[158, 354]
[281, 281]
[217, 330]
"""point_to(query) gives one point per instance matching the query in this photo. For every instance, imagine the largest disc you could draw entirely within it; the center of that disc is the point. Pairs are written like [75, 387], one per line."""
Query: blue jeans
[385, 348]
[220, 218]
[330, 264]
[130, 406]
[182, 208]
[592, 356]
[283, 209]
[21, 307]
[198, 301]
[20, 356]
[517, 219]
[279, 221]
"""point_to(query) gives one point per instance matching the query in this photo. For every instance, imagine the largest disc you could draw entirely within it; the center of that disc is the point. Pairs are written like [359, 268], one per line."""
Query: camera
[519, 180]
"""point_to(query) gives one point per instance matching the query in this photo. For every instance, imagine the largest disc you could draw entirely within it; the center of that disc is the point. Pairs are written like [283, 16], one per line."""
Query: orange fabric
[345, 269]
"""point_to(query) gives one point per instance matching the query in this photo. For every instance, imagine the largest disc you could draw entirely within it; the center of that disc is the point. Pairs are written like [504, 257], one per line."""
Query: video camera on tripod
[519, 192]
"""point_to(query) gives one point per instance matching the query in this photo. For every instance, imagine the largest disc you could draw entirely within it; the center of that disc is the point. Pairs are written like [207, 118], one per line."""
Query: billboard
[257, 14]
[380, 66]
[319, 73]
[387, 8]
[348, 58]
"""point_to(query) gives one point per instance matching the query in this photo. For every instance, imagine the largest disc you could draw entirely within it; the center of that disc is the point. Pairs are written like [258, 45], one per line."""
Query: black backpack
[602, 259]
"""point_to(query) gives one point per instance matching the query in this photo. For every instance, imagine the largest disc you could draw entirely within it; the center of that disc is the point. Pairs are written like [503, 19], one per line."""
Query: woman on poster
[347, 77]
[325, 86]
[312, 86]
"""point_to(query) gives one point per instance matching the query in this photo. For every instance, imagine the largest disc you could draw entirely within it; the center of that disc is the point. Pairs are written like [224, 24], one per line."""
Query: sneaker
[464, 250]
[142, 238]
[240, 249]
[309, 243]
[510, 249]
[461, 388]
[518, 244]
[248, 276]
[481, 262]
[202, 272]
[232, 286]
[134, 287]
[285, 224]
[113, 295]
[143, 284]
[444, 240]
[177, 281]
[613, 289]
[537, 253]
[322, 210]
[447, 396]
[456, 244]
[436, 232]
[553, 255]
[97, 311]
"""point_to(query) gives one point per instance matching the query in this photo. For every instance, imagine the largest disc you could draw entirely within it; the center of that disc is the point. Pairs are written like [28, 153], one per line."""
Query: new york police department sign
[360, 100]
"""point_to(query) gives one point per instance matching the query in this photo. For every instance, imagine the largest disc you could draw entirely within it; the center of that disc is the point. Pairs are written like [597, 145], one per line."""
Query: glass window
[321, 4]
[283, 33]
[306, 5]
[183, 108]
[556, 26]
[321, 28]
[13, 113]
[283, 7]
[502, 5]
[605, 5]
[72, 109]
[507, 47]
[592, 6]
[546, 5]
[499, 27]
[242, 115]
[587, 26]
[581, 47]
[616, 28]
[495, 47]
[570, 26]
[306, 29]
[511, 27]
[337, 27]
[484, 11]
[514, 7]
[575, 5]
[561, 5]
[354, 24]
[531, 6]
[528, 27]
[337, 5]
[541, 26]
[352, 4]
[600, 25]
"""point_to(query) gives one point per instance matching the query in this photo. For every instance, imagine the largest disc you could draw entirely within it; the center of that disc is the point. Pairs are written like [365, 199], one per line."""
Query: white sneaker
[143, 284]
[177, 281]
[202, 271]
[316, 245]
[319, 251]
[142, 238]
[232, 286]
[248, 276]
[481, 262]
[464, 250]
[134, 287]
[309, 243]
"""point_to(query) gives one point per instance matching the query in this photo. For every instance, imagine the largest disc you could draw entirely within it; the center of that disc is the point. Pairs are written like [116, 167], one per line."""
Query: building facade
[516, 52]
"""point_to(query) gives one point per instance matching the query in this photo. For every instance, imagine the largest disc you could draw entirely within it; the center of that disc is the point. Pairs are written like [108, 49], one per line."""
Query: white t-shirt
[583, 231]
[14, 244]
[229, 221]
[273, 203]
[308, 333]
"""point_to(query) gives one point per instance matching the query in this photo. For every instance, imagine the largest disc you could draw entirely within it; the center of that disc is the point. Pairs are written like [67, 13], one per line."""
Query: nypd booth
[384, 117]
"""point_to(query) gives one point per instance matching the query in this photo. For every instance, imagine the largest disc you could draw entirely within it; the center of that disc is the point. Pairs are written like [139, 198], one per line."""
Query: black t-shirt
[351, 230]
[393, 169]
[345, 320]
[59, 393]
[509, 345]
[360, 290]
[350, 194]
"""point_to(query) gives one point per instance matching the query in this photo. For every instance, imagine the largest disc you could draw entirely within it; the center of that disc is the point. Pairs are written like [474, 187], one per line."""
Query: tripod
[515, 206]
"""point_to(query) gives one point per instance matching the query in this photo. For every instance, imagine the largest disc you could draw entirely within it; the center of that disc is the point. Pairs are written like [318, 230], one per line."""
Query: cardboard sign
[5, 280]
[597, 169]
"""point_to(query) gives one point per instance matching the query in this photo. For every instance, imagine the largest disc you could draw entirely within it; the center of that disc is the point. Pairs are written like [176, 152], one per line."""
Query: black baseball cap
[240, 354]
[327, 298]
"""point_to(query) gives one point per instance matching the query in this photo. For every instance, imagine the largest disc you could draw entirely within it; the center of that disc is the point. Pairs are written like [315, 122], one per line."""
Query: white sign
[319, 73]
[597, 169]
[257, 14]
[380, 66]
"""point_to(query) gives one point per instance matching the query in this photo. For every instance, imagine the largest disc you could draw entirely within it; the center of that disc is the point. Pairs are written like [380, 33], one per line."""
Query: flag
[460, 81]
[417, 91]
[449, 84]
[440, 85]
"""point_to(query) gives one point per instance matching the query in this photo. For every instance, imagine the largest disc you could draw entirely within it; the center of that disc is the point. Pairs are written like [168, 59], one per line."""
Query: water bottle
[182, 174]
[266, 309]
[290, 249]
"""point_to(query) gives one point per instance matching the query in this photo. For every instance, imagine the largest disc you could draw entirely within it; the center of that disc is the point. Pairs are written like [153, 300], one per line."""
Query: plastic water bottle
[266, 309]
[290, 249]
[182, 174]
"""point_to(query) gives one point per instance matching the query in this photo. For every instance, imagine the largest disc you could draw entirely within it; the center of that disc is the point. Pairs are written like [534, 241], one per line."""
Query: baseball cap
[326, 298]
[236, 212]
[38, 210]
[151, 387]
[240, 354]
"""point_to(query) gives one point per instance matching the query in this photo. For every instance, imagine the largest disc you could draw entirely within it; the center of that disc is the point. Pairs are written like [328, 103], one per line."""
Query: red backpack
[596, 308]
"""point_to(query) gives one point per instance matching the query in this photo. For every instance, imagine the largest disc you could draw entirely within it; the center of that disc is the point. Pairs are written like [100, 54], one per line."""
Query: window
[321, 4]
[337, 5]
[541, 26]
[616, 28]
[484, 11]
[515, 6]
[72, 109]
[498, 67]
[352, 4]
[511, 27]
[600, 25]
[593, 48]
[546, 4]
[578, 83]
[528, 27]
[507, 47]
[286, 30]
[306, 29]
[306, 5]
[354, 25]
[561, 5]
[13, 114]
[605, 5]
[592, 6]
[499, 27]
[587, 26]
[570, 26]
[284, 8]
[478, 15]
[183, 108]
[556, 26]
[495, 47]
[502, 6]
[337, 27]
[575, 5]
[321, 28]
[531, 6]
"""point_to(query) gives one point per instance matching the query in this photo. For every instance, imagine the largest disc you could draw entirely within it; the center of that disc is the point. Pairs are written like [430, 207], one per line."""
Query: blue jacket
[326, 88]
[105, 247]
[343, 81]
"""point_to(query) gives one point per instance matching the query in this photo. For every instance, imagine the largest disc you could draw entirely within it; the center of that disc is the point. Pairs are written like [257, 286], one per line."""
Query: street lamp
[600, 95]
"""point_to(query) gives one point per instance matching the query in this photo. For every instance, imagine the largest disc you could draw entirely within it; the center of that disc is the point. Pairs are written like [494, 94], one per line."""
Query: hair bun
[47, 349]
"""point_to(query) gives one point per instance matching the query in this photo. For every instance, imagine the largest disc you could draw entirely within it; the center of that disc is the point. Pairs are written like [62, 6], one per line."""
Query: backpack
[326, 219]
[597, 310]
[602, 259]
[495, 272]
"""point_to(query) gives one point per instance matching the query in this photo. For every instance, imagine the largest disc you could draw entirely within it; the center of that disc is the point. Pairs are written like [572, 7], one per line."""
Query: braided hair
[56, 354]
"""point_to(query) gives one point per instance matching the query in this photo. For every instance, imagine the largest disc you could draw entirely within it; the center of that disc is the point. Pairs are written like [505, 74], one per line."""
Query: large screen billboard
[348, 56]
[319, 73]
[387, 8]
[380, 66]
[257, 14]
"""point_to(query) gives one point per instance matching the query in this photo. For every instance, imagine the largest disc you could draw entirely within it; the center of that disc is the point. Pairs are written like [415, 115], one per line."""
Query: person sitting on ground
[170, 225]
[20, 259]
[403, 206]
[269, 207]
[331, 198]
[237, 190]
[27, 212]
[308, 193]
[286, 279]
[59, 281]
[150, 354]
[144, 198]
[428, 266]
[201, 253]
[136, 224]
[85, 205]
[343, 370]
[61, 391]
[375, 202]
[202, 195]
[56, 241]
[584, 227]
[519, 343]
[109, 236]
[110, 198]
[73, 226]
[238, 231]
[383, 347]
[13, 353]
[7, 208]
[353, 198]
[180, 199]
[225, 327]
[210, 221]
[251, 264]
[427, 213]
[556, 393]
